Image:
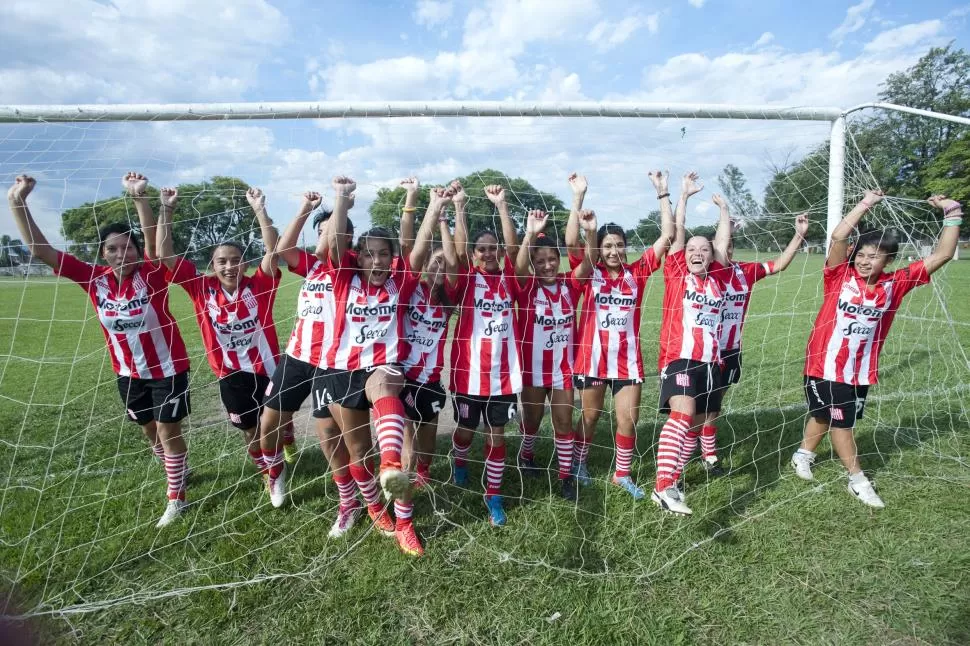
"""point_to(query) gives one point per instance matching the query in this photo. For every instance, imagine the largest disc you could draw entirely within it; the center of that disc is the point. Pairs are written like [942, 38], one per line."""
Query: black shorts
[242, 394]
[290, 385]
[730, 373]
[423, 402]
[345, 388]
[837, 404]
[582, 382]
[691, 378]
[163, 400]
[496, 411]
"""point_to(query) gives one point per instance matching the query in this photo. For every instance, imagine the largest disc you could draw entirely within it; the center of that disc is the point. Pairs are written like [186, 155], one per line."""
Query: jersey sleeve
[305, 260]
[909, 278]
[185, 275]
[833, 277]
[676, 264]
[575, 260]
[73, 268]
[720, 273]
[755, 271]
[264, 282]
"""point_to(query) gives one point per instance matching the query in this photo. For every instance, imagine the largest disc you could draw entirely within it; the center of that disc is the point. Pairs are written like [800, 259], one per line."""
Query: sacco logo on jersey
[368, 334]
[856, 328]
[126, 325]
[556, 340]
[424, 341]
[494, 327]
[862, 310]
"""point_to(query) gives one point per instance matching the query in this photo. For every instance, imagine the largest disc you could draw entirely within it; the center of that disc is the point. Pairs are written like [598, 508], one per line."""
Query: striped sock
[686, 451]
[581, 447]
[527, 450]
[346, 489]
[624, 454]
[668, 450]
[403, 512]
[709, 441]
[494, 469]
[424, 467]
[289, 436]
[459, 451]
[363, 475]
[564, 454]
[159, 451]
[273, 460]
[256, 455]
[389, 421]
[175, 474]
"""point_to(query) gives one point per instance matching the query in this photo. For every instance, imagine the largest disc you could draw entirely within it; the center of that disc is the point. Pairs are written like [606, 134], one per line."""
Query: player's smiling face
[375, 260]
[870, 260]
[545, 260]
[698, 253]
[227, 265]
[121, 254]
[486, 252]
[613, 251]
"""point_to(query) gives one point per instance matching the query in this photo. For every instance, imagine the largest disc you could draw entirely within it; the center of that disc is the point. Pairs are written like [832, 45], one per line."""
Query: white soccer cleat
[865, 492]
[802, 463]
[277, 489]
[173, 510]
[670, 499]
[346, 519]
[394, 482]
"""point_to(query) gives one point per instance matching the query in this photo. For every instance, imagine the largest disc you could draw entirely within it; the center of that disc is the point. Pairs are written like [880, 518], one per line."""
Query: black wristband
[663, 195]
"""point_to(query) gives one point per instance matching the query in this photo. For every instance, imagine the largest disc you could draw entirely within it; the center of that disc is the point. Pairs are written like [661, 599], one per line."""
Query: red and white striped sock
[389, 422]
[256, 455]
[527, 450]
[581, 447]
[668, 451]
[686, 451]
[289, 437]
[346, 489]
[459, 451]
[363, 475]
[564, 454]
[273, 460]
[624, 454]
[709, 441]
[159, 451]
[494, 469]
[175, 474]
[403, 512]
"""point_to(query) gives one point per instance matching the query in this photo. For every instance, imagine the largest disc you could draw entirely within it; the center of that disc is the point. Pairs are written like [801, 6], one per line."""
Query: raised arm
[460, 200]
[343, 201]
[496, 195]
[406, 237]
[578, 185]
[136, 184]
[722, 237]
[447, 246]
[662, 244]
[257, 201]
[439, 199]
[947, 246]
[535, 223]
[587, 222]
[801, 228]
[32, 236]
[839, 247]
[689, 186]
[164, 243]
[286, 246]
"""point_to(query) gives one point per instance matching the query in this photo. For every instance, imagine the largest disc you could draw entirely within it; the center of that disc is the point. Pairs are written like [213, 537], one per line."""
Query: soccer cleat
[569, 491]
[670, 499]
[381, 518]
[277, 488]
[496, 512]
[865, 492]
[394, 482]
[346, 518]
[460, 475]
[173, 510]
[802, 463]
[408, 540]
[626, 483]
[582, 474]
[713, 466]
[529, 467]
[289, 453]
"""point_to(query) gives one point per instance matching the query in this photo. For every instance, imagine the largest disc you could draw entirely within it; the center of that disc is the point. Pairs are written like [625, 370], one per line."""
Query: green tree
[646, 231]
[949, 174]
[793, 189]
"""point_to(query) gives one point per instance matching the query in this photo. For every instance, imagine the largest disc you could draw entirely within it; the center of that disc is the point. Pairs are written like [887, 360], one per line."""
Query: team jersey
[237, 329]
[485, 353]
[370, 326]
[547, 329]
[425, 331]
[692, 306]
[852, 325]
[609, 326]
[316, 312]
[143, 338]
[737, 295]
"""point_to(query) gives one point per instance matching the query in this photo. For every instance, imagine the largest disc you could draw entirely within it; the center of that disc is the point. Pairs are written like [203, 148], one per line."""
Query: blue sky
[711, 51]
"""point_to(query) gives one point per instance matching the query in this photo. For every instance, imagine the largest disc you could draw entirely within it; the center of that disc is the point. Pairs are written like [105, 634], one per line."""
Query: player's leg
[592, 395]
[676, 399]
[533, 408]
[499, 411]
[562, 405]
[383, 389]
[468, 413]
[291, 384]
[626, 403]
[338, 457]
[172, 404]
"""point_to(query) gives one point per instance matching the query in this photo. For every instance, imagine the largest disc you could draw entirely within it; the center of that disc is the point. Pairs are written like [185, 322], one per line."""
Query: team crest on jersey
[836, 414]
[683, 380]
[249, 299]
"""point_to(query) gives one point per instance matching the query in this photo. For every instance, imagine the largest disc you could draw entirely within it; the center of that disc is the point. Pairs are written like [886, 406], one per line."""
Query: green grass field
[766, 558]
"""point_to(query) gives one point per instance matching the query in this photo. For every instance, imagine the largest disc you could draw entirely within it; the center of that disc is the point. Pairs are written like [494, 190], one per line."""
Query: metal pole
[836, 178]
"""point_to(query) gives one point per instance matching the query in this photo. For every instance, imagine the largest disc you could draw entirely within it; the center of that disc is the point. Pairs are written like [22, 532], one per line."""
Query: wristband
[955, 207]
[954, 221]
[663, 195]
[409, 209]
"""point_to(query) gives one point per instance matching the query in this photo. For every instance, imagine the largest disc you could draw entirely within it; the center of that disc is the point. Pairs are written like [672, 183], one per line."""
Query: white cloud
[855, 19]
[562, 87]
[697, 4]
[764, 39]
[607, 34]
[430, 13]
[904, 37]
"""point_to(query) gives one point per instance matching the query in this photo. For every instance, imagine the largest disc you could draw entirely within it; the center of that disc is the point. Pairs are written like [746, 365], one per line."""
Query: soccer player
[130, 295]
[235, 315]
[694, 288]
[609, 339]
[547, 303]
[741, 279]
[486, 371]
[859, 303]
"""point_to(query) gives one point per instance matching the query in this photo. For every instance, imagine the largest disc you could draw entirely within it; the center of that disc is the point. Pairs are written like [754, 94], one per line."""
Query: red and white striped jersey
[316, 312]
[143, 338]
[485, 352]
[547, 328]
[237, 329]
[737, 295]
[691, 323]
[609, 326]
[852, 325]
[425, 332]
[370, 326]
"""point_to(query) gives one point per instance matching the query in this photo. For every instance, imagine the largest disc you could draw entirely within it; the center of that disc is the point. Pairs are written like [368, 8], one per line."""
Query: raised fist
[536, 221]
[311, 200]
[577, 183]
[344, 186]
[587, 221]
[495, 194]
[410, 184]
[801, 224]
[938, 201]
[459, 198]
[440, 197]
[22, 186]
[659, 180]
[169, 196]
[691, 184]
[873, 197]
[256, 199]
[134, 183]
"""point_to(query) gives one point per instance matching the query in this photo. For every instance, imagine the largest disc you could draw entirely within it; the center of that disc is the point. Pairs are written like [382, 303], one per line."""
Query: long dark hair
[609, 229]
[379, 233]
[118, 228]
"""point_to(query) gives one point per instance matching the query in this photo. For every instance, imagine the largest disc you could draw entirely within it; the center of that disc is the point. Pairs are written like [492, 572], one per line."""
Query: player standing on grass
[609, 339]
[486, 371]
[859, 303]
[742, 277]
[130, 296]
[235, 315]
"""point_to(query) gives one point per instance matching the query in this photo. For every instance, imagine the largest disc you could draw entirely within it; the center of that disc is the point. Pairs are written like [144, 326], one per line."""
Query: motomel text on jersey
[239, 326]
[383, 309]
[610, 299]
[122, 306]
[317, 286]
[492, 306]
[547, 321]
[703, 299]
[418, 317]
[863, 310]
